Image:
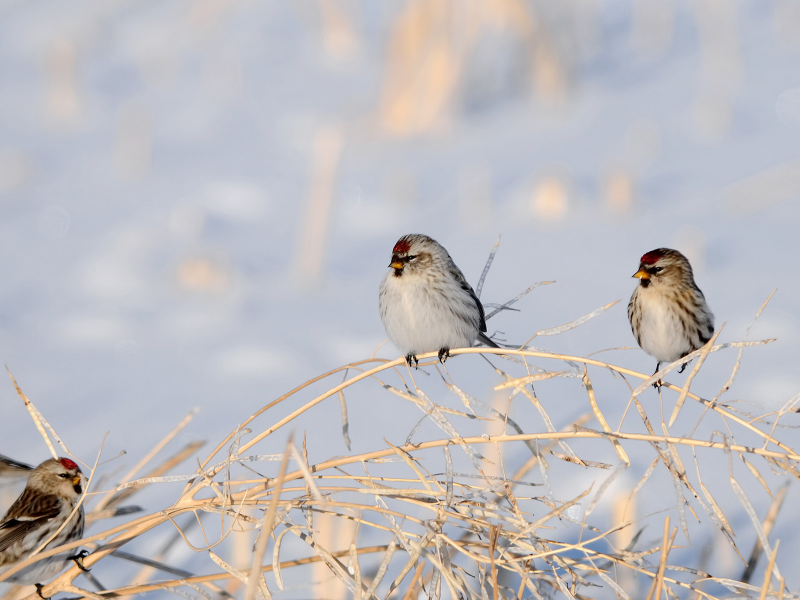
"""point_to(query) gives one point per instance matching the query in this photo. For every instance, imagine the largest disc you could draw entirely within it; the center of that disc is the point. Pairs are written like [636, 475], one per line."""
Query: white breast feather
[418, 318]
[661, 335]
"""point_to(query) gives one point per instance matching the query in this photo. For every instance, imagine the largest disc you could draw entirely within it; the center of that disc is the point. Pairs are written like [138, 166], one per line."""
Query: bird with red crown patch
[53, 490]
[425, 302]
[668, 313]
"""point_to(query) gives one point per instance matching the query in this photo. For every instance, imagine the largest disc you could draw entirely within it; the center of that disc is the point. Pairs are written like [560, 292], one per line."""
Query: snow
[156, 168]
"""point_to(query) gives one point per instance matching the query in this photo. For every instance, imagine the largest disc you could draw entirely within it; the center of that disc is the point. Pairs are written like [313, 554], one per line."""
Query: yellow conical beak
[641, 274]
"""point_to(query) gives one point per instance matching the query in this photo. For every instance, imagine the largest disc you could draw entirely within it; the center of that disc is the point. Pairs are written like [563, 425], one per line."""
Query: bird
[425, 302]
[668, 313]
[49, 498]
[10, 468]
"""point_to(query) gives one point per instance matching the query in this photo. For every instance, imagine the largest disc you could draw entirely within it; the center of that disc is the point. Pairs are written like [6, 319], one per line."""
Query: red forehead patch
[652, 257]
[402, 246]
[67, 463]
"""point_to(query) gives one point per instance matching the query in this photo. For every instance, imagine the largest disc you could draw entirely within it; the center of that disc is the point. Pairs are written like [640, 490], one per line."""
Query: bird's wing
[12, 468]
[30, 510]
[462, 281]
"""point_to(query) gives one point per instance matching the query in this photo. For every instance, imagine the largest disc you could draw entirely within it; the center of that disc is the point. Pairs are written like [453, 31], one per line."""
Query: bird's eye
[64, 475]
[658, 269]
[410, 257]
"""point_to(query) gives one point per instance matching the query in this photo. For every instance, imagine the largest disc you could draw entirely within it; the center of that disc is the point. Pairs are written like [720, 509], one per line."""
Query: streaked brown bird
[668, 312]
[53, 490]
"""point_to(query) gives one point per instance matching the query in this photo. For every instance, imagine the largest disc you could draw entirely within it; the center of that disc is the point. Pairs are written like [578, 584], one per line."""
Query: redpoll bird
[51, 494]
[426, 303]
[12, 468]
[668, 312]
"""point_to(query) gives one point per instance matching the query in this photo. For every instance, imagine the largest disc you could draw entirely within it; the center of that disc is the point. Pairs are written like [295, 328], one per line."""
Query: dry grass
[467, 528]
[471, 530]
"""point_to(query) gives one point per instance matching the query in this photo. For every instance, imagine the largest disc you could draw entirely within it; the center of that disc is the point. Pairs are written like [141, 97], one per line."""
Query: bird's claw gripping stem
[78, 560]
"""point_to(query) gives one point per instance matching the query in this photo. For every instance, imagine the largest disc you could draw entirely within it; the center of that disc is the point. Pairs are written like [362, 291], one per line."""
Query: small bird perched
[51, 494]
[12, 468]
[426, 303]
[668, 312]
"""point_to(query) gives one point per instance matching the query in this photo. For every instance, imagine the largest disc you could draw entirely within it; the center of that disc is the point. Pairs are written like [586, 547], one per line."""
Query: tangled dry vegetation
[440, 516]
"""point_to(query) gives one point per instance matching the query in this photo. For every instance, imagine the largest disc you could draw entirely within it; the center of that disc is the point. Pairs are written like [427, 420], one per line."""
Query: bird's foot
[39, 587]
[412, 358]
[444, 354]
[78, 560]
[658, 383]
[683, 367]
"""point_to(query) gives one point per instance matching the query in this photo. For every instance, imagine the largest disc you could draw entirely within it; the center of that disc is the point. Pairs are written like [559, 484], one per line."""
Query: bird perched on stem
[426, 304]
[668, 312]
[48, 500]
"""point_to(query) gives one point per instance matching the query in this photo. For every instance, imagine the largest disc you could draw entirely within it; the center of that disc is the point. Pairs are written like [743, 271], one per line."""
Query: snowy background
[199, 199]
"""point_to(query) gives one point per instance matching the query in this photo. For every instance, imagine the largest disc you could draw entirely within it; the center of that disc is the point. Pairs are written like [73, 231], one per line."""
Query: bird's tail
[484, 339]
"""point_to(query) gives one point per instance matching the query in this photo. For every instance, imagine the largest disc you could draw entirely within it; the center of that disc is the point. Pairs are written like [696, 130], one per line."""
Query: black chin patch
[645, 282]
[398, 272]
[78, 488]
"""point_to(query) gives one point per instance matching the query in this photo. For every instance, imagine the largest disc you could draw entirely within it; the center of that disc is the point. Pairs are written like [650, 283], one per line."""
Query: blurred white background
[199, 198]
